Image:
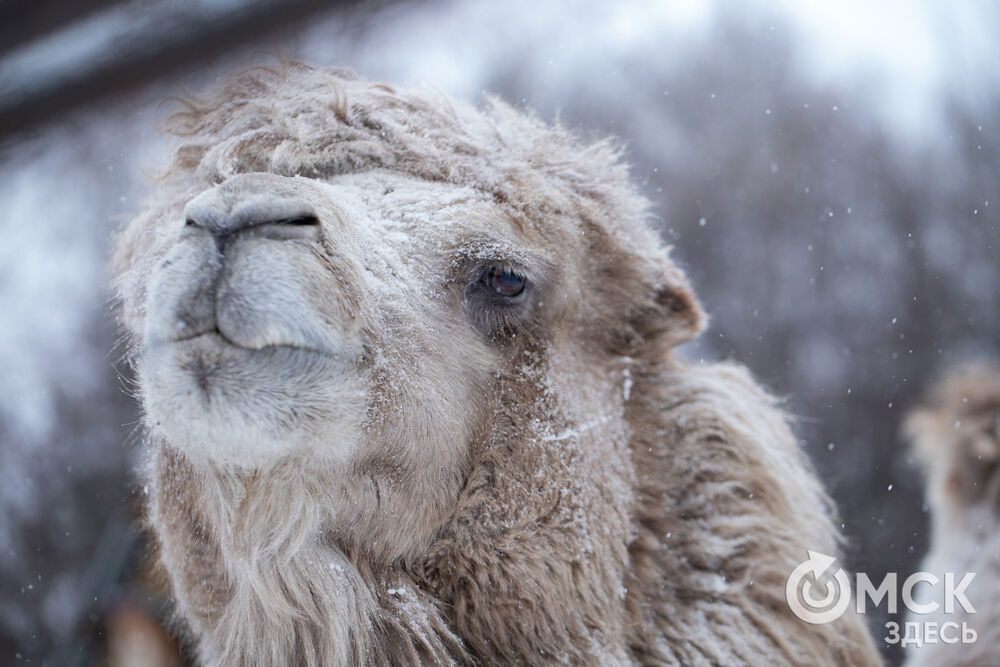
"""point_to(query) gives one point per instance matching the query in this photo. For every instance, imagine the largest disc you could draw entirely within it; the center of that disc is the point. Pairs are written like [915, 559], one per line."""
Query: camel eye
[496, 299]
[504, 282]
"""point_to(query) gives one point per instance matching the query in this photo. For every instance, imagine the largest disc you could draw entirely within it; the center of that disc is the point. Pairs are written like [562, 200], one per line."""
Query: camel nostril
[302, 220]
[251, 209]
[303, 227]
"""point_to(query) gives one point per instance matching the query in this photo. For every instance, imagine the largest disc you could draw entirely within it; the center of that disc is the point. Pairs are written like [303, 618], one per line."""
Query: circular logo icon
[816, 595]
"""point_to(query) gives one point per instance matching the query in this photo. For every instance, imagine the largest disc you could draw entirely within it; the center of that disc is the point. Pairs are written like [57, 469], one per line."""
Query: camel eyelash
[496, 298]
[504, 281]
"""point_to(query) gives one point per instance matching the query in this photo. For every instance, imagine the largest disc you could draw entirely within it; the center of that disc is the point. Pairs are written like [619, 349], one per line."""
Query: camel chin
[232, 405]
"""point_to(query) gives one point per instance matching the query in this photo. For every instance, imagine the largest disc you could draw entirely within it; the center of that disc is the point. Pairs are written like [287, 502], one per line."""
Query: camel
[956, 439]
[411, 396]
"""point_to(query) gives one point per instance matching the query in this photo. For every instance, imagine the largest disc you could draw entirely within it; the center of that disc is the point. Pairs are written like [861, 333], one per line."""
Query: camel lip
[218, 337]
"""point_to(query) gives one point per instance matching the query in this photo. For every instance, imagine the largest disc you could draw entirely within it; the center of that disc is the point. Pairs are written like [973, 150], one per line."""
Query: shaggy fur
[526, 481]
[956, 437]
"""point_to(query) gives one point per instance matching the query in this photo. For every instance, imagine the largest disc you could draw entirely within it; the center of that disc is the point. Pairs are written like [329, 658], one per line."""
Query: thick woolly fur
[956, 438]
[359, 452]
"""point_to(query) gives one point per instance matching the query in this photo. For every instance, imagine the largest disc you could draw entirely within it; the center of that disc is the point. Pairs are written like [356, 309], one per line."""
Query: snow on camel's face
[365, 300]
[295, 316]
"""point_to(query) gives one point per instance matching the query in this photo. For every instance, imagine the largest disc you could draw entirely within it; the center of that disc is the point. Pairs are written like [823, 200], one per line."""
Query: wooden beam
[145, 59]
[22, 21]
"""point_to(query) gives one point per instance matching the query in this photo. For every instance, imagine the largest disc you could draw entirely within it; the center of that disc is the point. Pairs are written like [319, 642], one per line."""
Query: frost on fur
[411, 398]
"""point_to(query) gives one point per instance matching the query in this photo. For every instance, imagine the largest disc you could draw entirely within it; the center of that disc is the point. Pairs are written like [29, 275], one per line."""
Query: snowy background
[828, 173]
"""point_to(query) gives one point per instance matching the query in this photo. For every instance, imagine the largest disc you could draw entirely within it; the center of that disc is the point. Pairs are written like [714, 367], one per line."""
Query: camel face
[329, 318]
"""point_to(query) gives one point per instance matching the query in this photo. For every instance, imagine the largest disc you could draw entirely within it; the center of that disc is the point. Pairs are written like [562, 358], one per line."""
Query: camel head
[956, 437]
[410, 398]
[371, 284]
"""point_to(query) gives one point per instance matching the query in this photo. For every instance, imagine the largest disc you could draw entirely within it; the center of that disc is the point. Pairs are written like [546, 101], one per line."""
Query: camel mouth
[204, 372]
[221, 400]
[217, 338]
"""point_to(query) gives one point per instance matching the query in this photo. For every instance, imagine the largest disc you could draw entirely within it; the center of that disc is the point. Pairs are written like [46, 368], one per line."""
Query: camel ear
[664, 311]
[682, 314]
